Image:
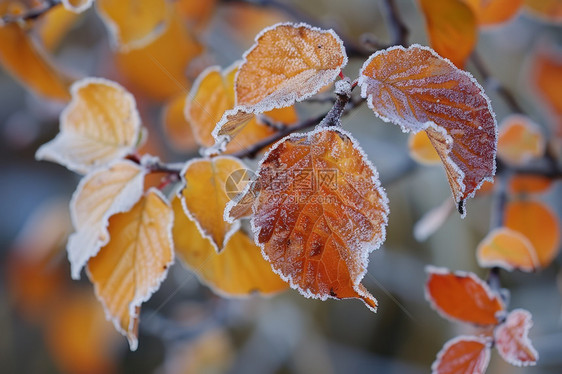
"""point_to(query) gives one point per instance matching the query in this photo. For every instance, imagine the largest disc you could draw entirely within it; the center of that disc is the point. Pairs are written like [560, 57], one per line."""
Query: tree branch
[31, 14]
[398, 30]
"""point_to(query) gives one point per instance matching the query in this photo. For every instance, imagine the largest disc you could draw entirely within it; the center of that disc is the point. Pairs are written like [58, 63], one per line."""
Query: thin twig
[398, 30]
[31, 14]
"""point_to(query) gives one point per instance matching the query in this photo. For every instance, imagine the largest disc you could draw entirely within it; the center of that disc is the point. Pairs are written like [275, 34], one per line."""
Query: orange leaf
[158, 69]
[421, 149]
[539, 224]
[77, 6]
[508, 249]
[452, 28]
[130, 268]
[418, 90]
[211, 96]
[463, 355]
[54, 25]
[512, 341]
[319, 212]
[491, 12]
[133, 24]
[177, 129]
[462, 296]
[100, 195]
[204, 196]
[196, 13]
[519, 140]
[79, 338]
[526, 184]
[546, 79]
[239, 270]
[101, 124]
[546, 10]
[22, 58]
[307, 60]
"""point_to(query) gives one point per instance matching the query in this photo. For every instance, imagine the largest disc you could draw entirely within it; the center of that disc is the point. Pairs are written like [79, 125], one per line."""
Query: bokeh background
[184, 327]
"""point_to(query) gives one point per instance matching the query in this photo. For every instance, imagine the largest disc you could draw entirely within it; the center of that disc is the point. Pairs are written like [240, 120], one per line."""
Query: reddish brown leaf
[319, 213]
[463, 355]
[462, 296]
[512, 339]
[418, 90]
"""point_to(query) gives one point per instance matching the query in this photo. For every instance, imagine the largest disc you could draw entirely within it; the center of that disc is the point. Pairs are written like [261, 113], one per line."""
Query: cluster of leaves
[315, 203]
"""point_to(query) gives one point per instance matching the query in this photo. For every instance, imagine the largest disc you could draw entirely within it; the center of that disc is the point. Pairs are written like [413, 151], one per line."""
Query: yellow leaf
[177, 129]
[100, 194]
[158, 69]
[422, 150]
[519, 140]
[100, 124]
[318, 213]
[133, 24]
[205, 196]
[239, 270]
[508, 249]
[22, 58]
[130, 268]
[452, 28]
[54, 25]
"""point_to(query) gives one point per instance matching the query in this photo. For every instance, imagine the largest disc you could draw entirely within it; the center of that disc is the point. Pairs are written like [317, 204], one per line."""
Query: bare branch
[398, 30]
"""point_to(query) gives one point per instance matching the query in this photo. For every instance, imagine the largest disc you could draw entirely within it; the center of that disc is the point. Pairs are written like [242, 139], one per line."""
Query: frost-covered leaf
[157, 70]
[519, 140]
[205, 196]
[462, 296]
[422, 150]
[212, 97]
[27, 62]
[418, 90]
[452, 28]
[130, 268]
[100, 194]
[288, 63]
[177, 129]
[239, 270]
[318, 212]
[492, 12]
[99, 125]
[512, 340]
[133, 24]
[546, 10]
[537, 222]
[463, 355]
[77, 6]
[508, 249]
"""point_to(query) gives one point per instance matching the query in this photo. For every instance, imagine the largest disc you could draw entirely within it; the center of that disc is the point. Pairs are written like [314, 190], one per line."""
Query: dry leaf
[519, 140]
[205, 196]
[463, 355]
[508, 249]
[462, 296]
[319, 212]
[452, 28]
[539, 224]
[492, 12]
[512, 340]
[239, 270]
[133, 24]
[130, 268]
[418, 90]
[100, 194]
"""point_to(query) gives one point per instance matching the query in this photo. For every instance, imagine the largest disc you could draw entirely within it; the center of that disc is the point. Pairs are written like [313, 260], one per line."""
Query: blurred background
[51, 324]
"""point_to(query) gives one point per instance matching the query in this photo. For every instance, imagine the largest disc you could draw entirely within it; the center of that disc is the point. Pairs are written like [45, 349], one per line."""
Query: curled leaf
[463, 355]
[519, 140]
[239, 270]
[508, 249]
[99, 125]
[512, 340]
[100, 195]
[452, 28]
[205, 196]
[462, 296]
[130, 268]
[318, 212]
[539, 224]
[418, 90]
